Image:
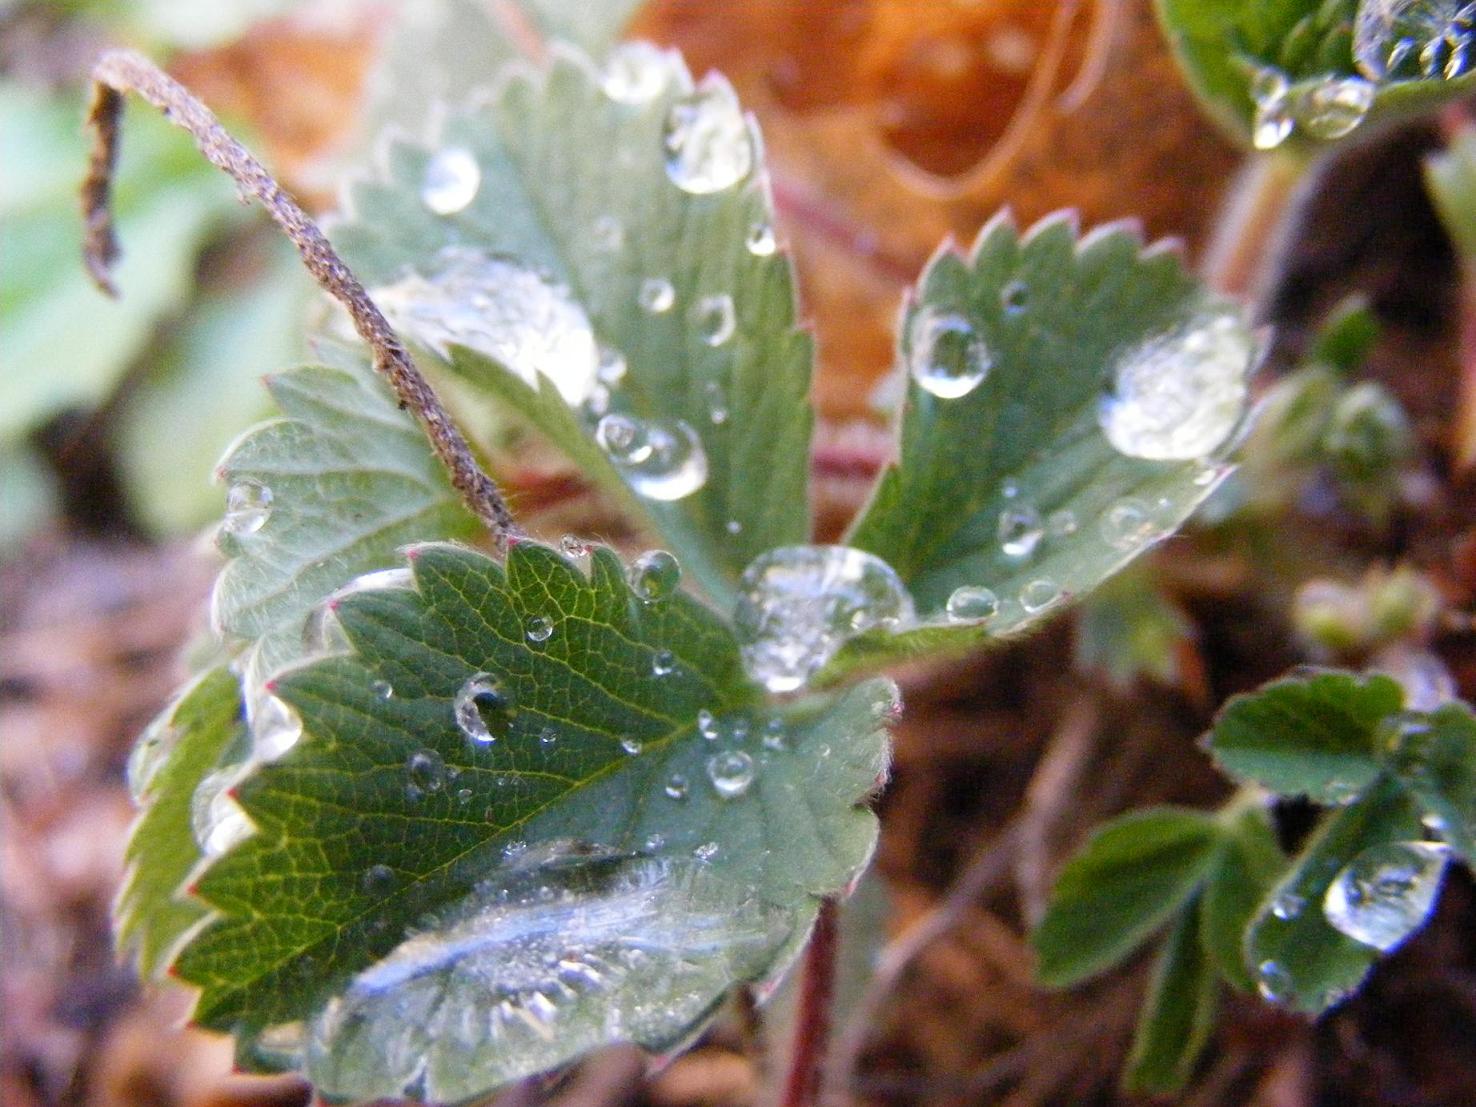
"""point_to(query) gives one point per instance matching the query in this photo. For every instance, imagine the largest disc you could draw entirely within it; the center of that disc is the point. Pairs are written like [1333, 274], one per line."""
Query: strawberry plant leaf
[1434, 757]
[320, 497]
[1132, 875]
[1299, 958]
[1311, 71]
[507, 766]
[1249, 864]
[1067, 401]
[1178, 1012]
[609, 237]
[1317, 736]
[188, 739]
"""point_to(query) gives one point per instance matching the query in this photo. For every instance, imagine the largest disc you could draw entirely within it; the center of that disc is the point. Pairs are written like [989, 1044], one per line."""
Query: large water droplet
[248, 507]
[708, 147]
[661, 461]
[654, 576]
[1387, 892]
[563, 949]
[482, 709]
[731, 772]
[217, 820]
[1334, 107]
[798, 604]
[972, 604]
[452, 178]
[538, 628]
[1178, 396]
[493, 305]
[1020, 530]
[275, 729]
[946, 356]
[1413, 38]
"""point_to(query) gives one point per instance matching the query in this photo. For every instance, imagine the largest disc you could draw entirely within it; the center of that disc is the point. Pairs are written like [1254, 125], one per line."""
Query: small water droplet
[972, 604]
[452, 178]
[1128, 524]
[483, 710]
[1020, 530]
[654, 576]
[1178, 396]
[661, 461]
[217, 820]
[1273, 982]
[798, 604]
[1062, 523]
[548, 736]
[426, 770]
[275, 729]
[761, 241]
[612, 367]
[1332, 108]
[573, 546]
[635, 73]
[1287, 906]
[1405, 39]
[706, 851]
[716, 318]
[1014, 297]
[248, 507]
[1039, 595]
[608, 233]
[776, 737]
[632, 746]
[538, 628]
[707, 725]
[378, 879]
[663, 663]
[1273, 123]
[946, 356]
[731, 773]
[676, 786]
[1387, 892]
[382, 689]
[733, 526]
[706, 139]
[656, 295]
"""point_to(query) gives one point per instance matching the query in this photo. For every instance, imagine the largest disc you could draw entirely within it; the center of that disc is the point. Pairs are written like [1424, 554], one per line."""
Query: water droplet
[635, 73]
[1039, 595]
[426, 770]
[248, 507]
[798, 604]
[654, 576]
[483, 711]
[511, 314]
[663, 663]
[452, 178]
[661, 461]
[612, 367]
[1386, 893]
[761, 241]
[946, 356]
[716, 318]
[548, 736]
[706, 851]
[1014, 297]
[1287, 906]
[538, 628]
[608, 233]
[706, 138]
[731, 773]
[676, 786]
[1178, 396]
[1020, 530]
[972, 604]
[775, 735]
[275, 729]
[707, 725]
[1332, 108]
[1273, 982]
[1061, 524]
[656, 295]
[572, 546]
[1128, 524]
[217, 820]
[1272, 124]
[632, 746]
[377, 880]
[1413, 38]
[733, 526]
[382, 689]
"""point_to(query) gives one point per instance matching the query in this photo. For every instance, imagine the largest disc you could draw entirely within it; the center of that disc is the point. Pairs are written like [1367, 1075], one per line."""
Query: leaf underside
[389, 898]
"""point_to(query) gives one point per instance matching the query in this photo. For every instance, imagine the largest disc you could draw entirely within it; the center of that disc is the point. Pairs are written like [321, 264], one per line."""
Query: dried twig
[1050, 793]
[812, 1015]
[122, 71]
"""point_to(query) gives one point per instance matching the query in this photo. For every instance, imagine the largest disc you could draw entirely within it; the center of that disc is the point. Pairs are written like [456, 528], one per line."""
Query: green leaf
[1223, 44]
[1015, 485]
[1450, 176]
[1249, 863]
[203, 389]
[171, 758]
[168, 201]
[1178, 1012]
[1434, 757]
[367, 902]
[1299, 959]
[1124, 884]
[1316, 736]
[574, 223]
[351, 480]
[1129, 629]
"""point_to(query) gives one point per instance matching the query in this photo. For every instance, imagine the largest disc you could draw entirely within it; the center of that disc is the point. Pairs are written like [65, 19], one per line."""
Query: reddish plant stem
[812, 1016]
[121, 71]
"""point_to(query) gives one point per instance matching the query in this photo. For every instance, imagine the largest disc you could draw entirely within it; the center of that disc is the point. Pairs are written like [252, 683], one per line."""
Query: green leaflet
[1021, 484]
[1249, 864]
[171, 758]
[1317, 735]
[1223, 44]
[563, 238]
[1132, 875]
[1178, 1012]
[390, 844]
[1434, 757]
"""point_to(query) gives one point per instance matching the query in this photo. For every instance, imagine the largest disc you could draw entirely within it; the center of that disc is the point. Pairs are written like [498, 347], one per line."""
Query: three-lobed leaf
[395, 855]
